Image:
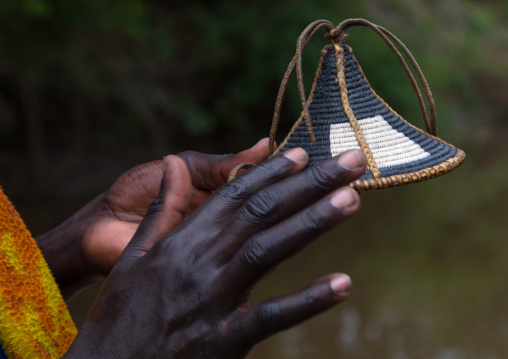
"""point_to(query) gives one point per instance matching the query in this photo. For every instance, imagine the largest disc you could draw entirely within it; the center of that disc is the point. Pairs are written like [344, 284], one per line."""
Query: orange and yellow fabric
[34, 320]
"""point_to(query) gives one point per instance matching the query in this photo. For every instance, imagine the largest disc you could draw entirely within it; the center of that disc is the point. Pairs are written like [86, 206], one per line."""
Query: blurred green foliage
[105, 76]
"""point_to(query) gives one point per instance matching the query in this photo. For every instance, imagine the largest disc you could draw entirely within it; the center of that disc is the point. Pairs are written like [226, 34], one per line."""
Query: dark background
[90, 88]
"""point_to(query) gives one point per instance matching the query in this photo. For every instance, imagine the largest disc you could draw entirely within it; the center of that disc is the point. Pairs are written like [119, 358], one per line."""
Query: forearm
[62, 249]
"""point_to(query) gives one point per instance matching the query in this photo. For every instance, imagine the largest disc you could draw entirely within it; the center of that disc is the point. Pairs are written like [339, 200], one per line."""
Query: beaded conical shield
[346, 113]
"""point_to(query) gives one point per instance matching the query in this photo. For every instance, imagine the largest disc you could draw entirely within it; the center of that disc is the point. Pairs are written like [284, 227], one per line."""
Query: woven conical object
[345, 113]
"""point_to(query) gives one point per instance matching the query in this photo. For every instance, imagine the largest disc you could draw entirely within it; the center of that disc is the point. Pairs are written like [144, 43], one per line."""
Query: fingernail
[351, 160]
[259, 142]
[343, 198]
[341, 284]
[297, 155]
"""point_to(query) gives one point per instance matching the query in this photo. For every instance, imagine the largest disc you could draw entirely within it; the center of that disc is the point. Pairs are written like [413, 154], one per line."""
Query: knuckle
[237, 190]
[188, 157]
[260, 208]
[217, 159]
[274, 169]
[314, 220]
[268, 317]
[194, 163]
[253, 254]
[218, 162]
[320, 179]
[310, 301]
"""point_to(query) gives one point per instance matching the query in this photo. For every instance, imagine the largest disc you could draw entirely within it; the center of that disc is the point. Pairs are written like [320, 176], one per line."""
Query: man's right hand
[187, 296]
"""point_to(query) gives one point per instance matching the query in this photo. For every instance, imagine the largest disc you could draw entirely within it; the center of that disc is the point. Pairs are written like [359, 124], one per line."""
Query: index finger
[226, 200]
[211, 171]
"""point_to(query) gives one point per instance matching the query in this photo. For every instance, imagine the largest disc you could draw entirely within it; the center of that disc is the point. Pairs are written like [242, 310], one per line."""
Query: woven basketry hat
[343, 112]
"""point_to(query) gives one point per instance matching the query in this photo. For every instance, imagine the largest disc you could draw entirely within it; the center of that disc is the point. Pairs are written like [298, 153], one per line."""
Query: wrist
[63, 251]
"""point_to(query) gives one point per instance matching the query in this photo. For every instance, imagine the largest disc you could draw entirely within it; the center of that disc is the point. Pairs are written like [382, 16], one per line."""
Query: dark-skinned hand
[183, 292]
[90, 242]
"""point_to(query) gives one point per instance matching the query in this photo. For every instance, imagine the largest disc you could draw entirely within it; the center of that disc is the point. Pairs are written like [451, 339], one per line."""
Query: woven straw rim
[412, 177]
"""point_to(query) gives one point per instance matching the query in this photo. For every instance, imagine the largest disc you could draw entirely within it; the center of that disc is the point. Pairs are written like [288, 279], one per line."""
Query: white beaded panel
[389, 147]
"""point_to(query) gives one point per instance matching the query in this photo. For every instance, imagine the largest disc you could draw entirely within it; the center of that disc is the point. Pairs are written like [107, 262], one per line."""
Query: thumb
[167, 210]
[209, 172]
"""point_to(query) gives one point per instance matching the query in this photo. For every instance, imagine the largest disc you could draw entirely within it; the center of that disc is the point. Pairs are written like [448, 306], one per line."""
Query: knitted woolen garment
[34, 321]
